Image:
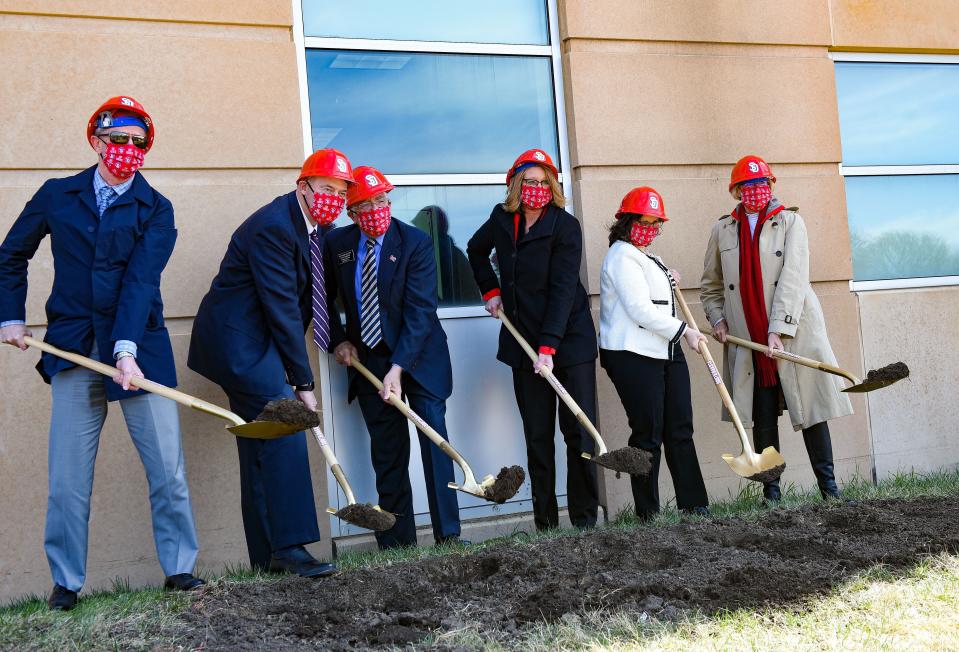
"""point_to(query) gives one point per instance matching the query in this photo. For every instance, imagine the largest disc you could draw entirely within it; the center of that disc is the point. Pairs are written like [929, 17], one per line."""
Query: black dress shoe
[298, 561]
[62, 599]
[182, 582]
[697, 511]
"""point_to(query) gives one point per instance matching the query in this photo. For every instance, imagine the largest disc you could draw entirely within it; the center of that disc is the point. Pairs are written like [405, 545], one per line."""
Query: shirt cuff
[718, 320]
[492, 293]
[124, 346]
[12, 322]
[547, 350]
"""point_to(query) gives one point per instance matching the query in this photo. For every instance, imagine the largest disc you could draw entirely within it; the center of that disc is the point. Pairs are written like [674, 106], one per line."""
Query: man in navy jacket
[248, 337]
[111, 237]
[385, 275]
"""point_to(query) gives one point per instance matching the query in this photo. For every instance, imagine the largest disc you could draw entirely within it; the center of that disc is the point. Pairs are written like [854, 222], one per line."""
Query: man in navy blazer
[111, 237]
[385, 275]
[248, 337]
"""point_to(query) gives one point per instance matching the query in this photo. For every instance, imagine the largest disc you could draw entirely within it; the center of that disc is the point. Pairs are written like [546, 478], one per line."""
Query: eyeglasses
[122, 138]
[533, 183]
[326, 190]
[379, 202]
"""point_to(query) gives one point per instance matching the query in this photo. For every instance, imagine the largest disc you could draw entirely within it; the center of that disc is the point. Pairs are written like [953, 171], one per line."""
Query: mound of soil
[784, 557]
[507, 483]
[367, 516]
[888, 374]
[287, 410]
[631, 460]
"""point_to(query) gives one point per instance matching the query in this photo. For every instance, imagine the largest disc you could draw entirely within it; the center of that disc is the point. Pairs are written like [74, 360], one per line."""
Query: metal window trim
[903, 283]
[451, 179]
[429, 47]
[895, 170]
[893, 57]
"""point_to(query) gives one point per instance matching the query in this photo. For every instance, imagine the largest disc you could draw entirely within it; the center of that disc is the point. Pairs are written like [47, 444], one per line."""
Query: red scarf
[751, 290]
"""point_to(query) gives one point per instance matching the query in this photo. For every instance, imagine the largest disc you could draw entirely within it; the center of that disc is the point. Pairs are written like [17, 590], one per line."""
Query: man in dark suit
[111, 237]
[248, 337]
[385, 275]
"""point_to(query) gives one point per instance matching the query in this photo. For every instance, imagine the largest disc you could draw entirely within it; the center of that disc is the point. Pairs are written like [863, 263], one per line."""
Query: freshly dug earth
[783, 557]
[507, 483]
[631, 460]
[367, 516]
[888, 374]
[287, 410]
[768, 475]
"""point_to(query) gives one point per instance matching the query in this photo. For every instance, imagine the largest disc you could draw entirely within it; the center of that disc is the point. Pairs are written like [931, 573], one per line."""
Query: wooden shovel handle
[557, 386]
[139, 383]
[334, 465]
[792, 357]
[714, 372]
[417, 420]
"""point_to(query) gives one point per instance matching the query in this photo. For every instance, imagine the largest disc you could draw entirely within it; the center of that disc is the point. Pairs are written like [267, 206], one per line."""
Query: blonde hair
[512, 202]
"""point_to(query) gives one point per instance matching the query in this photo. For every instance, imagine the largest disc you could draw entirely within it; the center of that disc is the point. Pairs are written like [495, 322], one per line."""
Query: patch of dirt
[367, 516]
[287, 410]
[507, 483]
[769, 475]
[631, 460]
[784, 557]
[885, 376]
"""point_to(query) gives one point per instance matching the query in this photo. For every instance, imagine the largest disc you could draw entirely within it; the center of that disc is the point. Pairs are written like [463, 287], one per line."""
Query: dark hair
[619, 230]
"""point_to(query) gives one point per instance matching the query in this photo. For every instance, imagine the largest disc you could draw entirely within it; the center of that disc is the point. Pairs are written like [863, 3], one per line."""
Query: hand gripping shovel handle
[798, 359]
[139, 383]
[558, 388]
[334, 467]
[717, 378]
[469, 479]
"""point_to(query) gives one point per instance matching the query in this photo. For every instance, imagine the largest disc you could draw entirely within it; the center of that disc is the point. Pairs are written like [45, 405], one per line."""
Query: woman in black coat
[539, 251]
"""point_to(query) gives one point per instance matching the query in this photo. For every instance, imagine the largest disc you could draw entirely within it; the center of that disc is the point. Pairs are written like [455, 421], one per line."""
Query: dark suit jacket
[106, 284]
[539, 284]
[249, 332]
[407, 292]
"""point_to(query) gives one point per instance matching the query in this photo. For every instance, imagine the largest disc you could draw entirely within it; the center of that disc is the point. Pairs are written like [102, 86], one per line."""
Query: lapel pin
[392, 259]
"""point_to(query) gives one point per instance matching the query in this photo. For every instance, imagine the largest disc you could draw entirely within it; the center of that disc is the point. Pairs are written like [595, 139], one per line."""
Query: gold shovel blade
[765, 467]
[870, 385]
[264, 429]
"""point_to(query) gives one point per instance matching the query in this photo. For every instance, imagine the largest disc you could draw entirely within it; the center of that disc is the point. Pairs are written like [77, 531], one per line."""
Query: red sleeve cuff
[547, 350]
[492, 293]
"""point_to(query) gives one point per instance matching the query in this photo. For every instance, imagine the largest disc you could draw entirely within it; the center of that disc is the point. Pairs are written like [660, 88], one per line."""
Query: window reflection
[490, 21]
[411, 113]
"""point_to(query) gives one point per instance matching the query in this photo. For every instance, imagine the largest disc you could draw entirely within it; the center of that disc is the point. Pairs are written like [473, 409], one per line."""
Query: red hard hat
[643, 201]
[367, 183]
[124, 104]
[535, 156]
[327, 162]
[749, 168]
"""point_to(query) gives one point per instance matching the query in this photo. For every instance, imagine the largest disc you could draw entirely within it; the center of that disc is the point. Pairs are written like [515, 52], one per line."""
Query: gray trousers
[79, 410]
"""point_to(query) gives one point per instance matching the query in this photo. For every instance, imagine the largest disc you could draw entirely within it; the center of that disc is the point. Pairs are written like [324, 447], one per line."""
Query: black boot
[819, 448]
[763, 438]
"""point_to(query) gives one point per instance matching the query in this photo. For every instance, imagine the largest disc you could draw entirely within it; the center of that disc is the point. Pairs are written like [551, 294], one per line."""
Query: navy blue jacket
[407, 292]
[249, 332]
[106, 283]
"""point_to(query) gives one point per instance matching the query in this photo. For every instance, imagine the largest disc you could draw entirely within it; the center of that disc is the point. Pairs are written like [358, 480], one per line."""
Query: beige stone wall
[220, 82]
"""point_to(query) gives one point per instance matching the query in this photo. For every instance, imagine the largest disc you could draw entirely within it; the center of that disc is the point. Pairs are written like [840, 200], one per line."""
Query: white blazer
[637, 306]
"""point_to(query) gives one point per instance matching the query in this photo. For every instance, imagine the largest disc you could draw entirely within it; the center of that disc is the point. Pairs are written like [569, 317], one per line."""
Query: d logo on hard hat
[539, 156]
[371, 180]
[753, 167]
[340, 164]
[654, 201]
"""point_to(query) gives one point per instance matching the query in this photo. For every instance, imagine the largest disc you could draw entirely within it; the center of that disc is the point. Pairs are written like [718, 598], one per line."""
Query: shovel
[875, 379]
[371, 517]
[764, 467]
[497, 490]
[240, 428]
[631, 460]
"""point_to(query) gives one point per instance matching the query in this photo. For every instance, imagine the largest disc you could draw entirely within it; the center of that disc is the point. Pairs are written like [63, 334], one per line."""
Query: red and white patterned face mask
[642, 235]
[755, 196]
[375, 221]
[326, 208]
[123, 160]
[536, 198]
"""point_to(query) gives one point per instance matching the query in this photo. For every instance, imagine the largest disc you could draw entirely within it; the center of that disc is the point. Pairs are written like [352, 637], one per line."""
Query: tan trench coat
[794, 312]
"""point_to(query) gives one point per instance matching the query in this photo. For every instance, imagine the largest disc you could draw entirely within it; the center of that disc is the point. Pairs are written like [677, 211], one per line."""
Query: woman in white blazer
[639, 348]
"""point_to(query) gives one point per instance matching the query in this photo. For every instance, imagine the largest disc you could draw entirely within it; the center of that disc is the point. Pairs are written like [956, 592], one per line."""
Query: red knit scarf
[751, 290]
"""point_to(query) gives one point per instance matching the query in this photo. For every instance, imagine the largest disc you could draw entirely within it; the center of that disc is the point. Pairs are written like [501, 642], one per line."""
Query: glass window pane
[903, 226]
[491, 21]
[898, 113]
[451, 215]
[431, 113]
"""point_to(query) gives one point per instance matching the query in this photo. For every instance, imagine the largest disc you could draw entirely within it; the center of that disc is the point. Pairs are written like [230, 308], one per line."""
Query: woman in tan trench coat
[756, 286]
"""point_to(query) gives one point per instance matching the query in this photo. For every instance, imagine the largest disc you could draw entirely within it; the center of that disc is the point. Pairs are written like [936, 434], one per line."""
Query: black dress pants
[537, 407]
[656, 396]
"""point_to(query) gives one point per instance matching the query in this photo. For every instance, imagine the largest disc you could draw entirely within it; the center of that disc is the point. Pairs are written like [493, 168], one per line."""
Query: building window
[441, 97]
[899, 123]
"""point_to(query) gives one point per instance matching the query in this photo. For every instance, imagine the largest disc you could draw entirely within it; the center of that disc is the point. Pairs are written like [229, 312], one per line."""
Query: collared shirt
[310, 226]
[360, 257]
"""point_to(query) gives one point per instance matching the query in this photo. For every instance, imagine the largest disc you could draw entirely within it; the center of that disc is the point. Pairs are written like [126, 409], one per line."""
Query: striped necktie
[321, 323]
[370, 331]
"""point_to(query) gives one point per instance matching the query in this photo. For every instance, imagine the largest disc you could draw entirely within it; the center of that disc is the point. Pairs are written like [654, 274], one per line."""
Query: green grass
[871, 612]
